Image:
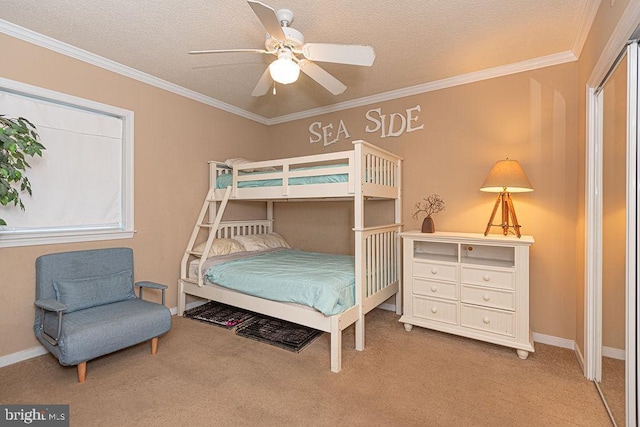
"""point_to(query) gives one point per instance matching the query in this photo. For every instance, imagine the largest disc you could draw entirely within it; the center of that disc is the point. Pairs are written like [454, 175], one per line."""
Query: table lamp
[506, 177]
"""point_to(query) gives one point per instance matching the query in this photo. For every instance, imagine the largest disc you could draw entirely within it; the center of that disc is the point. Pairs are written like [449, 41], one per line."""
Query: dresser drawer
[435, 289]
[488, 297]
[488, 277]
[486, 319]
[439, 310]
[434, 270]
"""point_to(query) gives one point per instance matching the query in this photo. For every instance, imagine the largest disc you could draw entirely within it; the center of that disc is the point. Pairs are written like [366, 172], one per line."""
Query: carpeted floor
[613, 387]
[208, 376]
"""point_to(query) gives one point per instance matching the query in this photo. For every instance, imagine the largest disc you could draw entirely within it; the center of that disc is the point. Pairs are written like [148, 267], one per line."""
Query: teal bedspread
[226, 180]
[325, 282]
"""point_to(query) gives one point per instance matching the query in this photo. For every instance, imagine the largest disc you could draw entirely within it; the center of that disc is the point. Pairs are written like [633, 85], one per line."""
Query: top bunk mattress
[226, 180]
[325, 282]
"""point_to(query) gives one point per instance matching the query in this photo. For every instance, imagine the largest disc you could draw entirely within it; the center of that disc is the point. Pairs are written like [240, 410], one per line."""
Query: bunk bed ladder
[211, 227]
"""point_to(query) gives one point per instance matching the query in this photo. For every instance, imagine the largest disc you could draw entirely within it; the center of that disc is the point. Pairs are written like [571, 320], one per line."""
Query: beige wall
[531, 117]
[174, 138]
[536, 117]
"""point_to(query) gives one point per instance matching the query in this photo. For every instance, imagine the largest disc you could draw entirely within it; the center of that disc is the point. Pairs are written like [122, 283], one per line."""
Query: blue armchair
[86, 306]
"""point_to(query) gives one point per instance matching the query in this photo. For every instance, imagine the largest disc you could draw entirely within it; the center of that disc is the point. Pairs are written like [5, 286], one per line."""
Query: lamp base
[509, 219]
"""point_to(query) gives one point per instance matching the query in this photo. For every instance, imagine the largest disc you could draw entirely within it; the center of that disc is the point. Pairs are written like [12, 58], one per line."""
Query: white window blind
[83, 184]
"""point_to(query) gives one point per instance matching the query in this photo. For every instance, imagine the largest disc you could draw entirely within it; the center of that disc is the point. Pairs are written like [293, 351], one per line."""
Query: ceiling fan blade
[199, 52]
[340, 53]
[325, 79]
[263, 84]
[268, 17]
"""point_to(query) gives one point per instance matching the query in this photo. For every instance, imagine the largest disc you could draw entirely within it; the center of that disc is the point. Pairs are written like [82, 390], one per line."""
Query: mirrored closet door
[614, 230]
[616, 340]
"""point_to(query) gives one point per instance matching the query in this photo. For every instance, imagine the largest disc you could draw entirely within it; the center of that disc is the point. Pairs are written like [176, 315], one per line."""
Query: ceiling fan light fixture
[283, 70]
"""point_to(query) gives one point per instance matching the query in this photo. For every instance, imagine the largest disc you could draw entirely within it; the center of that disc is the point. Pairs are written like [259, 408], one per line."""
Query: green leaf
[18, 139]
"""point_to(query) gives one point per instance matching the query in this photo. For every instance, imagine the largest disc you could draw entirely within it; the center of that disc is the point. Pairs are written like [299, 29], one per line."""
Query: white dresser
[469, 285]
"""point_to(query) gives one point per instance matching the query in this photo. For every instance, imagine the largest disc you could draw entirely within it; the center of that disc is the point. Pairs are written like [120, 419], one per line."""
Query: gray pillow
[79, 294]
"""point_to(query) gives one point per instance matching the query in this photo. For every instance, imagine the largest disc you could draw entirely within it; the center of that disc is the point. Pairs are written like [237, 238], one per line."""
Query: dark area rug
[279, 333]
[219, 314]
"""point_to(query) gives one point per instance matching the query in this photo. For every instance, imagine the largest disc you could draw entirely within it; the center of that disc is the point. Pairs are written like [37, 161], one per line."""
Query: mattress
[325, 282]
[226, 180]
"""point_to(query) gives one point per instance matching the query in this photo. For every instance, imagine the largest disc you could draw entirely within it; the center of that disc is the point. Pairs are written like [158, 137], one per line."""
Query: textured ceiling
[416, 41]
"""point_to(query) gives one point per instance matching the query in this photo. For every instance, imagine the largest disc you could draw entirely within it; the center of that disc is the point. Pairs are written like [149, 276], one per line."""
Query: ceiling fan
[294, 55]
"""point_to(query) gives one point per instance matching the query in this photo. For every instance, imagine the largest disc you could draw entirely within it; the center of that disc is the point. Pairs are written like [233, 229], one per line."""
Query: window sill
[8, 240]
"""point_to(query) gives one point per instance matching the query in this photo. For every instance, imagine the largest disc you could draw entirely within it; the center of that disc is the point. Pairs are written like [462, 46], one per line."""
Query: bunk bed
[364, 173]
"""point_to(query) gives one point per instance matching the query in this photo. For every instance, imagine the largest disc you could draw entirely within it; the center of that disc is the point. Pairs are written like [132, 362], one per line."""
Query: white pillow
[221, 247]
[257, 242]
[240, 161]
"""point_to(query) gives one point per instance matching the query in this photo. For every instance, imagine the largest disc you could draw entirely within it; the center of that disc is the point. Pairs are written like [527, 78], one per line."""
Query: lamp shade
[284, 70]
[508, 176]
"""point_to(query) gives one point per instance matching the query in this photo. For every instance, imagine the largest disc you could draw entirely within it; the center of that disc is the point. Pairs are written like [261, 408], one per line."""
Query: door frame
[593, 212]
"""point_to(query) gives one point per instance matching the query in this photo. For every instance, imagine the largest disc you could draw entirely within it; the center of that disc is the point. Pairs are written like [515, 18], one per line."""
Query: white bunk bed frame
[373, 173]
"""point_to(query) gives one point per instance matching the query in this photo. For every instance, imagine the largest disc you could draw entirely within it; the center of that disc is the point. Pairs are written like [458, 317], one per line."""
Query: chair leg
[82, 372]
[154, 346]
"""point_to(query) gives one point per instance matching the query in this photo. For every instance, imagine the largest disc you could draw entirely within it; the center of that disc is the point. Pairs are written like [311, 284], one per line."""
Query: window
[83, 184]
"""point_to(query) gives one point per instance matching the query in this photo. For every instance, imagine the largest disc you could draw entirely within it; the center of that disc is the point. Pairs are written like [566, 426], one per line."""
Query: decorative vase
[428, 225]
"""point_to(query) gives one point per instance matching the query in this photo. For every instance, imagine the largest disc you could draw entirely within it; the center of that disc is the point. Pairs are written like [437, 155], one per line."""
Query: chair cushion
[79, 294]
[93, 332]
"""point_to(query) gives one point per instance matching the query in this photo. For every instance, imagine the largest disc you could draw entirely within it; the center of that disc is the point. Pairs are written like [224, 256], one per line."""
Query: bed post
[182, 298]
[358, 212]
[398, 219]
[336, 345]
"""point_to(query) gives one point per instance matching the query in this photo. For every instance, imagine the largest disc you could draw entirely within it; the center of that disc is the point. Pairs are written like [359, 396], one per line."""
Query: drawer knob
[434, 289]
[485, 320]
[434, 310]
[434, 270]
[486, 297]
[486, 277]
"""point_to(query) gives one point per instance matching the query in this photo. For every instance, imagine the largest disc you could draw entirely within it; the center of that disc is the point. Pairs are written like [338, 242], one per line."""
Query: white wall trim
[619, 37]
[174, 310]
[99, 61]
[554, 341]
[489, 73]
[23, 355]
[588, 16]
[614, 353]
[593, 238]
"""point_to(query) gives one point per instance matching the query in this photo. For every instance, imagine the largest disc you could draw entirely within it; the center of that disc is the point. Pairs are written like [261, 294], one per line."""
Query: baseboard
[387, 306]
[12, 358]
[554, 341]
[174, 310]
[614, 353]
[20, 356]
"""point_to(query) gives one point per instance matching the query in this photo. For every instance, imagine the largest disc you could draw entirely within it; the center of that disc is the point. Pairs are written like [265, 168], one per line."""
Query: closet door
[611, 381]
[618, 236]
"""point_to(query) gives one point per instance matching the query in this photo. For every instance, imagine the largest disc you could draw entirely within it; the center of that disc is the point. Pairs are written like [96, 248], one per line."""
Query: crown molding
[489, 73]
[586, 21]
[99, 61]
[622, 32]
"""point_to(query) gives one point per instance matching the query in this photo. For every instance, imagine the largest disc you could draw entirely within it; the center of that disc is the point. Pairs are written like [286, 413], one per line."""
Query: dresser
[469, 285]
